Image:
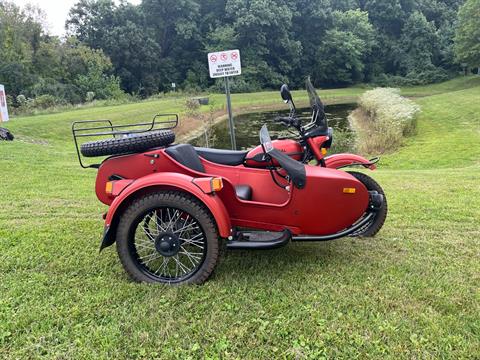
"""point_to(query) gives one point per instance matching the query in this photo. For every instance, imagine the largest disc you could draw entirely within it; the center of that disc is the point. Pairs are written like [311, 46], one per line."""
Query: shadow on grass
[266, 265]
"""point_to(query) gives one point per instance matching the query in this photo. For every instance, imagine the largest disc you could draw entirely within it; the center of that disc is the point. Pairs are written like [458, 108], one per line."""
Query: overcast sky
[56, 11]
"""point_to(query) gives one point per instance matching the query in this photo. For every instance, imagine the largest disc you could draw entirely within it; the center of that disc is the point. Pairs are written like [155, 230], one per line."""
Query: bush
[423, 77]
[90, 96]
[192, 106]
[45, 101]
[382, 119]
[25, 103]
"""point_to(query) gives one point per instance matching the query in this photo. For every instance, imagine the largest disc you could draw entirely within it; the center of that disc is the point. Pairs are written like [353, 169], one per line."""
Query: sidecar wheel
[373, 226]
[167, 237]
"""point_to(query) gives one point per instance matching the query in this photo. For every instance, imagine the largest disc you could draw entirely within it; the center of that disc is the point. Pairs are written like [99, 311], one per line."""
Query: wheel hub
[167, 244]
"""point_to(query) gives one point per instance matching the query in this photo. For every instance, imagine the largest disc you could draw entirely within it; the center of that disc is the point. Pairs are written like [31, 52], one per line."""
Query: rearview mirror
[285, 93]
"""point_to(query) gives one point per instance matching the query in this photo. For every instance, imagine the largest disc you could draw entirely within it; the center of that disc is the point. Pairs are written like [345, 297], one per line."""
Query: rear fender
[164, 181]
[337, 161]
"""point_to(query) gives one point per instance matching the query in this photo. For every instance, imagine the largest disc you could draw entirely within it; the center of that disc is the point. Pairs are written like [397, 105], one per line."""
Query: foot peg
[261, 240]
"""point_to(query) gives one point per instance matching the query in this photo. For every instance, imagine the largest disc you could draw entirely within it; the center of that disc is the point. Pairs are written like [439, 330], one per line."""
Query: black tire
[373, 226]
[6, 135]
[140, 257]
[133, 143]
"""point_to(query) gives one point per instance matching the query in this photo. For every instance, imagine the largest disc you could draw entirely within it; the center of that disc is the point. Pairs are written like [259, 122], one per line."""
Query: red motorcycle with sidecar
[171, 206]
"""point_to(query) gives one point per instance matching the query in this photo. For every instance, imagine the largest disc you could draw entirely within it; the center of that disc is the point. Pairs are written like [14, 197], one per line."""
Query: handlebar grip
[284, 119]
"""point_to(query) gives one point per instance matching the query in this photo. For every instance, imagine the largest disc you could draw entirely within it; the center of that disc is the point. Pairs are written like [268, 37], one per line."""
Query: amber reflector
[217, 184]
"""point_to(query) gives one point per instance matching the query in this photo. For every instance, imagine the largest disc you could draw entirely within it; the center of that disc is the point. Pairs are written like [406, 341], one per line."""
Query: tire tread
[202, 215]
[132, 144]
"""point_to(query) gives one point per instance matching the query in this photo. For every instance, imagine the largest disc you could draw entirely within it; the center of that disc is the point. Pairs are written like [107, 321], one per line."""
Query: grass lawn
[411, 292]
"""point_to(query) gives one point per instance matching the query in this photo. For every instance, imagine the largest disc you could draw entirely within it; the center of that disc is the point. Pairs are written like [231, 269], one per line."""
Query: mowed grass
[410, 292]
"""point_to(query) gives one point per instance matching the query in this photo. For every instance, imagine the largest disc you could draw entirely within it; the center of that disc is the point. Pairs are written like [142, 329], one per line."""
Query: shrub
[343, 141]
[421, 77]
[25, 103]
[382, 119]
[45, 101]
[90, 96]
[191, 106]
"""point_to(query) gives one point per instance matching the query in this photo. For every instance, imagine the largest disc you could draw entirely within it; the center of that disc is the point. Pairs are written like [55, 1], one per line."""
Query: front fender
[162, 181]
[337, 161]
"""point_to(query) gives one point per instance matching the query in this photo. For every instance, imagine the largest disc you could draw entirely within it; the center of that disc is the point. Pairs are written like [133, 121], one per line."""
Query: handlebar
[288, 121]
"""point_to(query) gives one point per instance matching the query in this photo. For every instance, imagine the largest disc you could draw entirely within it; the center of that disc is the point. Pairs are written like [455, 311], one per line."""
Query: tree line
[141, 49]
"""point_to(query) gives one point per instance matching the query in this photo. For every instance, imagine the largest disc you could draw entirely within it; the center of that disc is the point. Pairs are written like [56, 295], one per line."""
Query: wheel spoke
[189, 257]
[182, 266]
[194, 243]
[192, 226]
[159, 227]
[169, 224]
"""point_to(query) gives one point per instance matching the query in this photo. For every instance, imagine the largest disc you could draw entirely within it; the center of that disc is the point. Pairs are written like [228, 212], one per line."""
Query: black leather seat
[187, 155]
[220, 156]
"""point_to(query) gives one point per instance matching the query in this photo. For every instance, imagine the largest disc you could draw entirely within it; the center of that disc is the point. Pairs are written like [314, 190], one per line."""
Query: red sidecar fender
[340, 160]
[171, 181]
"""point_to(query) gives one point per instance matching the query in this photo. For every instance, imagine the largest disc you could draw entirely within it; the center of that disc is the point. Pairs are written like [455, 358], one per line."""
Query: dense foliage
[338, 42]
[467, 36]
[143, 49]
[39, 70]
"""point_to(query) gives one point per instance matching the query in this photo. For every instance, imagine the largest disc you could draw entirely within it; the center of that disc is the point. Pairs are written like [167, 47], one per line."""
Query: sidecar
[171, 206]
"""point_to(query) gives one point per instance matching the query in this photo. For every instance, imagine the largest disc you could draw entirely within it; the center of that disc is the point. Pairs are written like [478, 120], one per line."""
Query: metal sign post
[230, 116]
[225, 64]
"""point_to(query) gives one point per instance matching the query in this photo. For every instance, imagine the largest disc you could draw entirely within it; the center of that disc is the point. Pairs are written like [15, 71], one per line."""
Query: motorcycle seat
[224, 157]
[187, 155]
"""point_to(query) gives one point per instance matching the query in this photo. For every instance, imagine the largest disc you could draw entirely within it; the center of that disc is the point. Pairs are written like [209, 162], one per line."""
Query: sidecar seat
[186, 155]
[221, 156]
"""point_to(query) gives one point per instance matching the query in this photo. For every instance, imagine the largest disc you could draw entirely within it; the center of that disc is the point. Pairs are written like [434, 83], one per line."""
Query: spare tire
[130, 144]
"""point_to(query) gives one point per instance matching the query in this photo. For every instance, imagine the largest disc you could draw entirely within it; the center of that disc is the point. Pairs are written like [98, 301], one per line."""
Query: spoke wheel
[167, 237]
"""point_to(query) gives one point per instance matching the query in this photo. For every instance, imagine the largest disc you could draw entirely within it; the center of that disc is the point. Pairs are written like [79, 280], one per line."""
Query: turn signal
[109, 187]
[349, 190]
[217, 184]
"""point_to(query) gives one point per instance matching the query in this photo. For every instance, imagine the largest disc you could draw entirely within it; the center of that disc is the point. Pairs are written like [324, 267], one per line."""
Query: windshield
[265, 139]
[318, 113]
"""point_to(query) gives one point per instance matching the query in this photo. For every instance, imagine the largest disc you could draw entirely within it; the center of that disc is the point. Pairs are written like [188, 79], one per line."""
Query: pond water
[248, 125]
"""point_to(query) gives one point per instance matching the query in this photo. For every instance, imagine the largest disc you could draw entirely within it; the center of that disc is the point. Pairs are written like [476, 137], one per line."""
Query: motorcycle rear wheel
[372, 227]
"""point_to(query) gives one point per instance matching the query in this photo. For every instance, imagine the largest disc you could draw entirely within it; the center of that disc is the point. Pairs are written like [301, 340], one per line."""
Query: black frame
[116, 130]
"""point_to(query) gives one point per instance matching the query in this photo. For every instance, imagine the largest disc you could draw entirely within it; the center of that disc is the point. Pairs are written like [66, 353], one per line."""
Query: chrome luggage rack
[105, 128]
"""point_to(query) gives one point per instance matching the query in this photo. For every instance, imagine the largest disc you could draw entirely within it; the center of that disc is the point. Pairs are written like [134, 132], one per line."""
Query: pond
[248, 125]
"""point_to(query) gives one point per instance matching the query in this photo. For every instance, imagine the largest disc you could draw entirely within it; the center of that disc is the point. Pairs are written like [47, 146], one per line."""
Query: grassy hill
[410, 292]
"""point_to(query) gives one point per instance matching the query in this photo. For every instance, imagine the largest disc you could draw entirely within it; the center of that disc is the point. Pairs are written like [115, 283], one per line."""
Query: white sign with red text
[3, 104]
[224, 63]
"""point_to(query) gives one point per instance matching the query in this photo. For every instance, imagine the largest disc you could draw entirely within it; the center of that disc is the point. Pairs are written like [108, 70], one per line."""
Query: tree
[343, 52]
[418, 44]
[155, 43]
[40, 66]
[467, 35]
[121, 33]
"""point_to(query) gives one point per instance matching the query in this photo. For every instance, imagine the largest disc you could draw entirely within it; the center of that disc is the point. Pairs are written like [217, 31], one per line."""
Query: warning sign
[224, 63]
[3, 105]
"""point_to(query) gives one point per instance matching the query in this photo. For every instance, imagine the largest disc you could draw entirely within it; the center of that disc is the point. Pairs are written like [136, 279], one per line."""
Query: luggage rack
[81, 129]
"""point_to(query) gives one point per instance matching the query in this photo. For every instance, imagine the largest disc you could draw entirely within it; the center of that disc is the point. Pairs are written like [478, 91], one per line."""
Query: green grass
[410, 292]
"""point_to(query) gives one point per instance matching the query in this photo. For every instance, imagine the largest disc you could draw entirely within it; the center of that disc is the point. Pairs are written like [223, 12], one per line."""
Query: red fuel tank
[287, 146]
